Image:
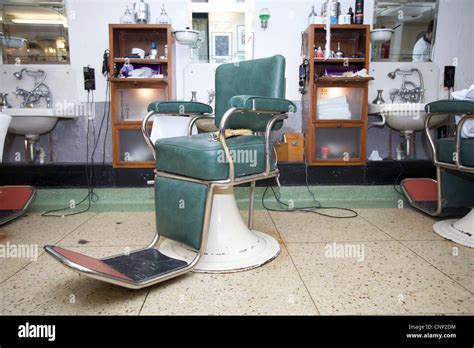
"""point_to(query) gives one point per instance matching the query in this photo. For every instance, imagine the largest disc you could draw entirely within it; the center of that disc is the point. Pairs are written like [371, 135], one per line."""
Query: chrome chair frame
[442, 165]
[231, 180]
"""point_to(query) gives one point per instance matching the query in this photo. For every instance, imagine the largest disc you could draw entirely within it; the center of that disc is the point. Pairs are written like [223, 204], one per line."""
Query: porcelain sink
[32, 123]
[405, 117]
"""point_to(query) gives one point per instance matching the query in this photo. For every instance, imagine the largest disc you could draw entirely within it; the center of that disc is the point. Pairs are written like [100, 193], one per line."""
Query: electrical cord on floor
[396, 180]
[91, 196]
[315, 209]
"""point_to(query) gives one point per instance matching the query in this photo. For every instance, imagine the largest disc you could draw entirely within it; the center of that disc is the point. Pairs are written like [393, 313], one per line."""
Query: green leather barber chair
[195, 207]
[453, 188]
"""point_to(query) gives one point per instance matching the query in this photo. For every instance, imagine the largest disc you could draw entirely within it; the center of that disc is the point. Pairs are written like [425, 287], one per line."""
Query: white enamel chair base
[460, 231]
[231, 245]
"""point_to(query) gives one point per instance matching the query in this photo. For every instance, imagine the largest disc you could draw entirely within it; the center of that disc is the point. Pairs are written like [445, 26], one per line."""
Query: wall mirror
[226, 30]
[33, 32]
[414, 26]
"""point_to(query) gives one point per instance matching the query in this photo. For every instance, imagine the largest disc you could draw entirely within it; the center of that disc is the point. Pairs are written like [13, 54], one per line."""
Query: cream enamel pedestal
[231, 245]
[460, 231]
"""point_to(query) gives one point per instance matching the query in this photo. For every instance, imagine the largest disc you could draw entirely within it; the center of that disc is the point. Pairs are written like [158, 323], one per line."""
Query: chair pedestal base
[460, 231]
[231, 245]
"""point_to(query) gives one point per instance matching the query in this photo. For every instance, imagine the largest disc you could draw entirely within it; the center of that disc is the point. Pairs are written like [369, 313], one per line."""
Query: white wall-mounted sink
[405, 117]
[32, 123]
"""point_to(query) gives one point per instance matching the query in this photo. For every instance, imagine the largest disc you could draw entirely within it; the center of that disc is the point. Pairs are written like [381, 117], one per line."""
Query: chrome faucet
[40, 89]
[409, 92]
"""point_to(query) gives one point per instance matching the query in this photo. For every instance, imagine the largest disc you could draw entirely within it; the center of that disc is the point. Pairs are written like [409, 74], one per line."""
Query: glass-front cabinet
[141, 61]
[335, 94]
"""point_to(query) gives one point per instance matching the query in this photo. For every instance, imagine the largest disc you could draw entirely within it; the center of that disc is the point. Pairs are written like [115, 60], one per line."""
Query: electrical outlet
[449, 72]
[89, 78]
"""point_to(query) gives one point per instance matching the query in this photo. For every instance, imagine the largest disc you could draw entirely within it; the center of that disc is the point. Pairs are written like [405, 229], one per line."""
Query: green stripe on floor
[141, 199]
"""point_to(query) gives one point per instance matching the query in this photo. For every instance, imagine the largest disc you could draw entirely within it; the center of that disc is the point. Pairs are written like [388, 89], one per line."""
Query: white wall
[89, 37]
[283, 35]
[454, 39]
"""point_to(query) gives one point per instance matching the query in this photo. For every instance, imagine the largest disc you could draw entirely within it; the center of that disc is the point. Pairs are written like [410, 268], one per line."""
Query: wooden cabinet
[131, 96]
[335, 110]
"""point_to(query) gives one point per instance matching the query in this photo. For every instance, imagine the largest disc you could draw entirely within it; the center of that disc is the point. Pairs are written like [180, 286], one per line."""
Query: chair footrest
[423, 195]
[134, 268]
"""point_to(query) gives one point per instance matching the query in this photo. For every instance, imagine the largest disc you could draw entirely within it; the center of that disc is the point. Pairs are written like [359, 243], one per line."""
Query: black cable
[396, 180]
[91, 194]
[310, 209]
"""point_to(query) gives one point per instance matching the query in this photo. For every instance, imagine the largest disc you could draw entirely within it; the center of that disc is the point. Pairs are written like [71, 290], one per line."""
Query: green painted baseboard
[141, 199]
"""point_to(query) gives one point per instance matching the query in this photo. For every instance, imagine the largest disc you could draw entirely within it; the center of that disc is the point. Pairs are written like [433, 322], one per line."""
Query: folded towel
[336, 100]
[465, 94]
[335, 111]
[467, 130]
[331, 106]
[338, 116]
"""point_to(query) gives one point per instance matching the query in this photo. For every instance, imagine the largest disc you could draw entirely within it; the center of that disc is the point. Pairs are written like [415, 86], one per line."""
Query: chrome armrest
[145, 133]
[457, 159]
[268, 148]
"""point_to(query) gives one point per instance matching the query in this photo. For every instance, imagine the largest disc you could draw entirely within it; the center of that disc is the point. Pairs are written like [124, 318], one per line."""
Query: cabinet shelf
[141, 61]
[130, 97]
[138, 79]
[331, 141]
[344, 79]
[339, 60]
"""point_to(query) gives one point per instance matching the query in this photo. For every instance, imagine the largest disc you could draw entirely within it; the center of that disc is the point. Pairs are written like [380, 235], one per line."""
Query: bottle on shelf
[359, 12]
[312, 18]
[351, 13]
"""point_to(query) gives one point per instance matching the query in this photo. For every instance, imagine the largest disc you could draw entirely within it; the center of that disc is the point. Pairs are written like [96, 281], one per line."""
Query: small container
[359, 12]
[319, 53]
[325, 151]
[399, 152]
[312, 18]
[379, 100]
[127, 17]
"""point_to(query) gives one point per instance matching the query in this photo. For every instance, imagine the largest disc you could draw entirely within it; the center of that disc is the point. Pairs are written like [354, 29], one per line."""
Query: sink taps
[40, 89]
[409, 92]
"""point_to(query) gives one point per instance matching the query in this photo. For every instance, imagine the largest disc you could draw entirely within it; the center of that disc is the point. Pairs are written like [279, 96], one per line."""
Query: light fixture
[264, 16]
[39, 21]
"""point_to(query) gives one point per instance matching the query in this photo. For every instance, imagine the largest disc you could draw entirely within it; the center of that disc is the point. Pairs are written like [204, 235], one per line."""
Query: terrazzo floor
[385, 261]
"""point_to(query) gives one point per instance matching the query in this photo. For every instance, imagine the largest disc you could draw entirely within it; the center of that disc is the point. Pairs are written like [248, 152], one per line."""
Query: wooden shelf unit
[131, 96]
[336, 142]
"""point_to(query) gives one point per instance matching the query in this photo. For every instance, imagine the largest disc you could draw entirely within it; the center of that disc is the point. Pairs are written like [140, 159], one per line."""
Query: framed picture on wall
[221, 46]
[241, 38]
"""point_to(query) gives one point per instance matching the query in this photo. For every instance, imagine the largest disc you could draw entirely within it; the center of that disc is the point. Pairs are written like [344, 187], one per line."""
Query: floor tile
[453, 259]
[402, 224]
[262, 222]
[34, 228]
[30, 233]
[47, 288]
[114, 228]
[9, 266]
[391, 279]
[275, 288]
[309, 227]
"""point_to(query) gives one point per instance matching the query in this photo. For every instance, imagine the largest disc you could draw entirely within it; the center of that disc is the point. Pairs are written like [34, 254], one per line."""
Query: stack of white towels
[467, 130]
[334, 109]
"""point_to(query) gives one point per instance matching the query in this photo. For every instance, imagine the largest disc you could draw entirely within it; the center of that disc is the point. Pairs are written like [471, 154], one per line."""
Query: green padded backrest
[263, 77]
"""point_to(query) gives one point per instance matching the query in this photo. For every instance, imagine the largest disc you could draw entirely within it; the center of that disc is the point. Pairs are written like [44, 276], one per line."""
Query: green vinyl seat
[179, 107]
[446, 148]
[200, 157]
[450, 107]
